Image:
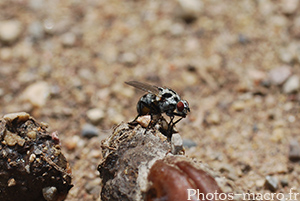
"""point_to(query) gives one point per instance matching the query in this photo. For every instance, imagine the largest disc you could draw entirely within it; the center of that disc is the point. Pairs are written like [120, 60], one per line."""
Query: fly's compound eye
[180, 106]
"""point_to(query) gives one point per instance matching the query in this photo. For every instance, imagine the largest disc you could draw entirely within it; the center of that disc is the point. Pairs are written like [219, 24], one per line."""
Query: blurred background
[235, 61]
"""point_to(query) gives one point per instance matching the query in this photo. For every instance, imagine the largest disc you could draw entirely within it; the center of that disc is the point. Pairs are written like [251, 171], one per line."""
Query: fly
[160, 100]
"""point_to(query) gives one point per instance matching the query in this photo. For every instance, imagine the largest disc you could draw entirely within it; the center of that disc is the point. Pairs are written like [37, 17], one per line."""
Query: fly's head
[182, 108]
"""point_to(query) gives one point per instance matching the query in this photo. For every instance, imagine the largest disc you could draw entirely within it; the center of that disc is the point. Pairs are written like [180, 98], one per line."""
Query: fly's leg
[171, 126]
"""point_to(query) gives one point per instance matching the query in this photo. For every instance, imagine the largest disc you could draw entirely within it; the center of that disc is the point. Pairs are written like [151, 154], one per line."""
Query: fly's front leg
[171, 126]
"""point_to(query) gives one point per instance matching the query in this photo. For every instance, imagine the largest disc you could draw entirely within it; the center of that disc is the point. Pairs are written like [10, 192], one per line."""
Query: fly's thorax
[168, 100]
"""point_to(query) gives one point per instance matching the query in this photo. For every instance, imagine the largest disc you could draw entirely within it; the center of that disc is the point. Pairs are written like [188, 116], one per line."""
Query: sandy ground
[236, 62]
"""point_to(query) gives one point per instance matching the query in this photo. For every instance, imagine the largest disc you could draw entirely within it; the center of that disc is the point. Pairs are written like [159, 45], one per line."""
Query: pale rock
[37, 93]
[189, 9]
[291, 85]
[10, 31]
[289, 6]
[95, 115]
[280, 74]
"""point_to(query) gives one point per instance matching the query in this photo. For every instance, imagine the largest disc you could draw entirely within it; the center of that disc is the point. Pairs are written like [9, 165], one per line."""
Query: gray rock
[291, 85]
[36, 30]
[89, 131]
[280, 74]
[10, 31]
[294, 152]
[271, 183]
[187, 143]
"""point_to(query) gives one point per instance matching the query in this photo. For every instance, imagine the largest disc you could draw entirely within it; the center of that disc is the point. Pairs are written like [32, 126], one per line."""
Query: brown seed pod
[32, 166]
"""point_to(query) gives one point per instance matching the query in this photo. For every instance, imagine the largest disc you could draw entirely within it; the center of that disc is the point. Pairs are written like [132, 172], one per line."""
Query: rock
[286, 55]
[177, 144]
[271, 183]
[289, 7]
[95, 115]
[213, 119]
[177, 29]
[294, 152]
[187, 143]
[68, 39]
[189, 10]
[291, 85]
[50, 193]
[277, 134]
[37, 94]
[280, 74]
[89, 131]
[238, 105]
[10, 31]
[72, 142]
[284, 182]
[36, 30]
[129, 59]
[257, 76]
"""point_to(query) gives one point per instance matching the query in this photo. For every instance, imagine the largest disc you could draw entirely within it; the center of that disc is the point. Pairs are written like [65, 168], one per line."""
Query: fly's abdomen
[147, 105]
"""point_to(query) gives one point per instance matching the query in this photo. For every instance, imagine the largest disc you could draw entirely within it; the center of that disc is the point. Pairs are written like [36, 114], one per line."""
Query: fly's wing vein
[144, 87]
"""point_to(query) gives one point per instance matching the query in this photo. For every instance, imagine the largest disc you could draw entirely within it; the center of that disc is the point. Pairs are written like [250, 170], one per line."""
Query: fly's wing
[144, 87]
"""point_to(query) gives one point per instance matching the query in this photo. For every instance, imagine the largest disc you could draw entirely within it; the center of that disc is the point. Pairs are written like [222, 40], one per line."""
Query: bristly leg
[171, 126]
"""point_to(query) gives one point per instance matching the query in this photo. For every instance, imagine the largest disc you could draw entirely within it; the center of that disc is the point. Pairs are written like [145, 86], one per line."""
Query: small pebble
[213, 118]
[144, 120]
[11, 182]
[294, 151]
[189, 10]
[271, 183]
[280, 74]
[72, 142]
[32, 157]
[176, 144]
[187, 143]
[291, 85]
[260, 183]
[12, 139]
[277, 135]
[257, 76]
[89, 131]
[21, 116]
[95, 115]
[289, 7]
[31, 135]
[10, 31]
[129, 59]
[286, 56]
[284, 182]
[50, 193]
[36, 30]
[238, 105]
[68, 39]
[37, 93]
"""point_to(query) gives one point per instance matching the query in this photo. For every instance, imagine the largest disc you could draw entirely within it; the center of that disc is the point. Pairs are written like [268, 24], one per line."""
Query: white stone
[291, 85]
[10, 30]
[37, 93]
